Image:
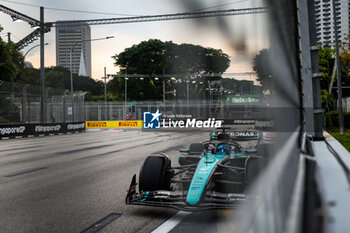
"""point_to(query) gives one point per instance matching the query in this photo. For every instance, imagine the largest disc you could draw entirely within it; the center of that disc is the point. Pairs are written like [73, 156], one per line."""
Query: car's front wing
[177, 199]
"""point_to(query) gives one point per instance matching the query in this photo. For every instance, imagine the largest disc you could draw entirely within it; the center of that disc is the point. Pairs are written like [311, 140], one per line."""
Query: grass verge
[343, 139]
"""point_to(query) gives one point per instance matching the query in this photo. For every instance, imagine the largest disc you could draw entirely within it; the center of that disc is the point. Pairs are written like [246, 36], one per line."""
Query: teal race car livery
[212, 175]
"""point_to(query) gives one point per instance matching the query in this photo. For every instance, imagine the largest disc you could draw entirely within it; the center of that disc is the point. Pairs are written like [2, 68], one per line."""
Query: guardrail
[275, 188]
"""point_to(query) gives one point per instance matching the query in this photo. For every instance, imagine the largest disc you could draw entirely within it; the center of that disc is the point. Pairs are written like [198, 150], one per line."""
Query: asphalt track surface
[77, 183]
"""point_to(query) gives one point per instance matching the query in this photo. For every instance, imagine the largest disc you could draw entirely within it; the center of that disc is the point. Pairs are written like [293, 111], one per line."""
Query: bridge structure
[136, 19]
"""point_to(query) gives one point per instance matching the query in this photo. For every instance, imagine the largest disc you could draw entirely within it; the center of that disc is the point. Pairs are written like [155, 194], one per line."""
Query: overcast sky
[226, 33]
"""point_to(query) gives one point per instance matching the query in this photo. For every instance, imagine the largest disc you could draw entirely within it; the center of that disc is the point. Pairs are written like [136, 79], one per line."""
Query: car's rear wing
[238, 135]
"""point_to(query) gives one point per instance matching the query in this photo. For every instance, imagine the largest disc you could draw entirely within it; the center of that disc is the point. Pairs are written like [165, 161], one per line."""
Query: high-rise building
[325, 24]
[67, 37]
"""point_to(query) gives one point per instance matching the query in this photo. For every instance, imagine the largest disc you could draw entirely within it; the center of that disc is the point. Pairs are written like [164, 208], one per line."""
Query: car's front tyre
[154, 174]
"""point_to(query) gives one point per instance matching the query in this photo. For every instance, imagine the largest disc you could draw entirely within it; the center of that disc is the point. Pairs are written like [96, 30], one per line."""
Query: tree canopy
[8, 57]
[345, 55]
[59, 78]
[325, 64]
[263, 68]
[154, 57]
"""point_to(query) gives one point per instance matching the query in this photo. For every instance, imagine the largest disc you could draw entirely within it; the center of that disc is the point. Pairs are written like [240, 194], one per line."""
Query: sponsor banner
[98, 124]
[23, 130]
[238, 122]
[79, 126]
[12, 130]
[238, 135]
[244, 99]
[265, 124]
[43, 129]
[129, 124]
[244, 135]
[113, 124]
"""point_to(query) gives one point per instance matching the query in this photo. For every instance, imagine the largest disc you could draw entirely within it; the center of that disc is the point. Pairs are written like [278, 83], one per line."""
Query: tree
[8, 69]
[146, 89]
[85, 83]
[59, 78]
[154, 57]
[17, 59]
[144, 58]
[194, 59]
[237, 86]
[325, 64]
[263, 68]
[345, 55]
[29, 76]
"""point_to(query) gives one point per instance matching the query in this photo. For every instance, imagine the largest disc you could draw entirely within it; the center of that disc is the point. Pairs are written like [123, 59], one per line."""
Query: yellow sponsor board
[113, 124]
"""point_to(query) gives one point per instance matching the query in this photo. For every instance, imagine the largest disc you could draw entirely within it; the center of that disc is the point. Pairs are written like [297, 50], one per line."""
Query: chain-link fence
[200, 109]
[29, 104]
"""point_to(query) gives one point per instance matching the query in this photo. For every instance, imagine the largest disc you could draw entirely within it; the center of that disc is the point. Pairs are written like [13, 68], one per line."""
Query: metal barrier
[276, 188]
[280, 187]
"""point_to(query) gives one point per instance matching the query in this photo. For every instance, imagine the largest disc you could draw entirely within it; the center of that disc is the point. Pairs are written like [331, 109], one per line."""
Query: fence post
[45, 104]
[110, 110]
[98, 111]
[24, 103]
[86, 110]
[51, 110]
[79, 107]
[84, 93]
[64, 105]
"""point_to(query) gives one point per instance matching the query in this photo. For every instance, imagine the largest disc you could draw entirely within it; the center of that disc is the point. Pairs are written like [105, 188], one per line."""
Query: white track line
[171, 222]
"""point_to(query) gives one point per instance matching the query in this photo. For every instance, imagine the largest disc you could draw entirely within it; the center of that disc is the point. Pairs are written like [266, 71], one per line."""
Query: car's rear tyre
[154, 174]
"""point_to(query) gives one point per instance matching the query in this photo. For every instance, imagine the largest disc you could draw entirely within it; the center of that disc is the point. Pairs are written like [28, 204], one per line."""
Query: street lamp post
[105, 87]
[340, 95]
[71, 71]
[126, 89]
[71, 80]
[42, 63]
[187, 93]
[32, 49]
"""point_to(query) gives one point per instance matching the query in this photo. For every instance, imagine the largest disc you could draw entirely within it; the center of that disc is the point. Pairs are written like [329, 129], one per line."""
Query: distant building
[324, 21]
[68, 36]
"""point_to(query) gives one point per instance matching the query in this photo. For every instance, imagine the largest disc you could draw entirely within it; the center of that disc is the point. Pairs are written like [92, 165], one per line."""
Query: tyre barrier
[31, 130]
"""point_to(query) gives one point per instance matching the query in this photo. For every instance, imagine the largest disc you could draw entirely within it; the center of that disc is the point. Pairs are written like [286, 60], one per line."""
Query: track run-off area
[78, 182]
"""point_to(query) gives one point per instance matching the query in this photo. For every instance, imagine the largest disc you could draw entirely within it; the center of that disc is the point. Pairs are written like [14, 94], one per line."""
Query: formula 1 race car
[212, 175]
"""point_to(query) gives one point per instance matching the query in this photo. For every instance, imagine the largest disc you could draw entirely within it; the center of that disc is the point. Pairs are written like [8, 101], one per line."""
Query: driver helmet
[223, 149]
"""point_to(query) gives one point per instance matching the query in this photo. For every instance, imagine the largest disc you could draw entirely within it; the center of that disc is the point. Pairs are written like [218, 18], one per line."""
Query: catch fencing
[23, 103]
[200, 109]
